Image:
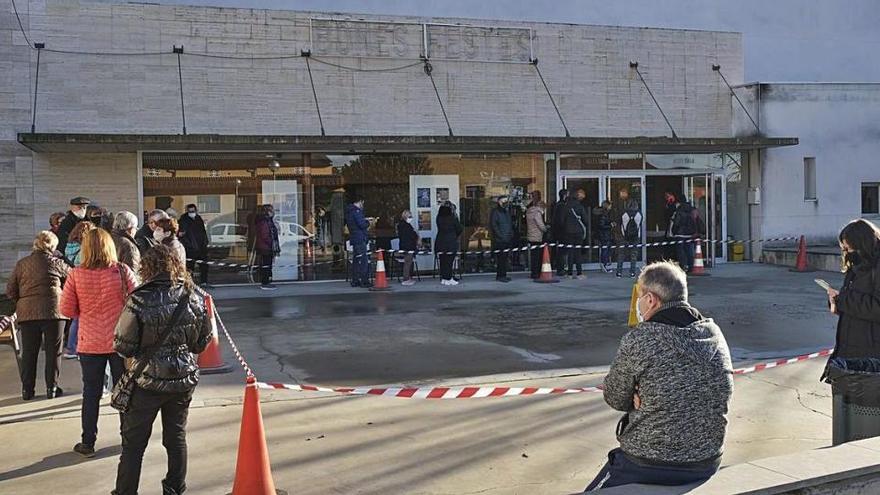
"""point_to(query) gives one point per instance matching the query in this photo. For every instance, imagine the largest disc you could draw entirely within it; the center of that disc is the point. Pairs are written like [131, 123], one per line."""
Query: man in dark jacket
[144, 236]
[575, 216]
[684, 229]
[194, 238]
[76, 214]
[358, 228]
[266, 245]
[672, 378]
[628, 231]
[557, 230]
[501, 230]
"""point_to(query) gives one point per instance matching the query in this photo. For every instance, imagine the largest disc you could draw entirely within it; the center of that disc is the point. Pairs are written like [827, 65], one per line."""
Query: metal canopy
[127, 143]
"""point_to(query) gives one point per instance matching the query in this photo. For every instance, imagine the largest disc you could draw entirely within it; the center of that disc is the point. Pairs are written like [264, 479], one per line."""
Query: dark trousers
[571, 257]
[197, 262]
[137, 426]
[685, 253]
[407, 266]
[264, 267]
[622, 469]
[605, 251]
[501, 259]
[446, 261]
[537, 253]
[50, 335]
[627, 250]
[360, 264]
[93, 366]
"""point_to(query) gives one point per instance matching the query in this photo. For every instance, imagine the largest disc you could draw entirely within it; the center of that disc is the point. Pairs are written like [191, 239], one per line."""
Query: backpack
[631, 230]
[685, 222]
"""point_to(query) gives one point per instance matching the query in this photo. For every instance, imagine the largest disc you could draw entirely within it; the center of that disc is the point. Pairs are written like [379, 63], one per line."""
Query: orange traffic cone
[699, 270]
[546, 269]
[801, 263]
[211, 359]
[633, 319]
[381, 283]
[253, 473]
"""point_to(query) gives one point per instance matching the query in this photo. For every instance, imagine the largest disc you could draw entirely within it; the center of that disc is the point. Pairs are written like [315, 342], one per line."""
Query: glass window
[209, 204]
[809, 178]
[870, 198]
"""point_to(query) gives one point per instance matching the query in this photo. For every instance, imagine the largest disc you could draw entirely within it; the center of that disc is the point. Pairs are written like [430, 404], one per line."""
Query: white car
[293, 232]
[227, 234]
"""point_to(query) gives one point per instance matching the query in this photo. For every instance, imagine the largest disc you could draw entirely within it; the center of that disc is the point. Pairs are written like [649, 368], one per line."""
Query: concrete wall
[586, 68]
[836, 124]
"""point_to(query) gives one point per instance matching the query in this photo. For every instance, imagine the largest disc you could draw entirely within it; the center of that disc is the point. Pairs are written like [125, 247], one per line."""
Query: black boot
[54, 392]
[27, 394]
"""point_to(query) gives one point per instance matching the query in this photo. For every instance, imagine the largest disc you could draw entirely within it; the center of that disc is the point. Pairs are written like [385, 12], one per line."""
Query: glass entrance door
[706, 193]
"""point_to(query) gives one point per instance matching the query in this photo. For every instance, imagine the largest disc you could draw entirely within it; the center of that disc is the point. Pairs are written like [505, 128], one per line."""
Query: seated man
[672, 377]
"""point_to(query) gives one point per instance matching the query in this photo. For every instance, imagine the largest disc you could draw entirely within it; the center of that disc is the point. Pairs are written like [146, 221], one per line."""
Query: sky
[783, 40]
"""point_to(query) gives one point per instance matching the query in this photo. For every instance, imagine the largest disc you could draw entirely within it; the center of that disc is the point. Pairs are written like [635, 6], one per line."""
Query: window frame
[862, 186]
[810, 180]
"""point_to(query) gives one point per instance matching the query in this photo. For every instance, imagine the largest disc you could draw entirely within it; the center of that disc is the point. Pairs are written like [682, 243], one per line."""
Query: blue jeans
[685, 253]
[93, 366]
[622, 469]
[71, 338]
[360, 264]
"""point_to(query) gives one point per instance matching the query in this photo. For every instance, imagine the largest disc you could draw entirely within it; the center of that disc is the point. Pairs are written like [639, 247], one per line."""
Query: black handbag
[124, 388]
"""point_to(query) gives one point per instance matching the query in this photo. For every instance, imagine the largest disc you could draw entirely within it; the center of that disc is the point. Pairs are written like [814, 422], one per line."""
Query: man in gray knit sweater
[672, 378]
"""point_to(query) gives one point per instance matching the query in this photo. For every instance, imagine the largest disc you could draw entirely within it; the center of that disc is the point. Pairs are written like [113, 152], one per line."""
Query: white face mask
[639, 315]
[159, 235]
[192, 214]
[80, 213]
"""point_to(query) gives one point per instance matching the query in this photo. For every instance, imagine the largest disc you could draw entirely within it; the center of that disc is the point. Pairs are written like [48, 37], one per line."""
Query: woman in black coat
[448, 231]
[409, 243]
[858, 302]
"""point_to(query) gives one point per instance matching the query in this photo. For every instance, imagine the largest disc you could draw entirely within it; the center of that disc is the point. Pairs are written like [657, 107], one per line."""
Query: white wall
[835, 123]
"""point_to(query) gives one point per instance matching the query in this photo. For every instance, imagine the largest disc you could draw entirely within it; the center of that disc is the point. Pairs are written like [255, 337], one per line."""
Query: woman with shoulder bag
[95, 294]
[165, 322]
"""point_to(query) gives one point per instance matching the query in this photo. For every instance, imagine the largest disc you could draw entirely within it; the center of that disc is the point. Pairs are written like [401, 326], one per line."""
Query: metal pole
[635, 65]
[179, 51]
[39, 47]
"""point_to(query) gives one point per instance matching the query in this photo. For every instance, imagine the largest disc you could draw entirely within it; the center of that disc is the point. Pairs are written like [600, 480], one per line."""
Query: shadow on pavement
[62, 460]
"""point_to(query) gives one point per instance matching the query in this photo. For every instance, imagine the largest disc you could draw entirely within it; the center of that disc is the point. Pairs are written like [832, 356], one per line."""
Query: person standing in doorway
[76, 214]
[575, 235]
[409, 243]
[557, 231]
[266, 245]
[35, 288]
[536, 231]
[683, 230]
[447, 244]
[629, 231]
[501, 230]
[170, 374]
[606, 237]
[194, 238]
[95, 293]
[358, 236]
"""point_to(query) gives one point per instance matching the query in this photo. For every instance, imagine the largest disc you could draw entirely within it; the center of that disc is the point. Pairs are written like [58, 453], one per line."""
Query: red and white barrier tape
[496, 391]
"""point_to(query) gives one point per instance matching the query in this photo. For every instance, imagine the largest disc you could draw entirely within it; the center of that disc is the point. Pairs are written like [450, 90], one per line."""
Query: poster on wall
[424, 197]
[424, 220]
[284, 196]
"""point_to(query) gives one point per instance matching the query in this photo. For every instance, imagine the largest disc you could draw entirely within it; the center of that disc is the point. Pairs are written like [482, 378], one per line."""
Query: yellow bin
[739, 250]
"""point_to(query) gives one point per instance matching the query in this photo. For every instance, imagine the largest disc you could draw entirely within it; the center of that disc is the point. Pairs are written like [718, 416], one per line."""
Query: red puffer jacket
[96, 297]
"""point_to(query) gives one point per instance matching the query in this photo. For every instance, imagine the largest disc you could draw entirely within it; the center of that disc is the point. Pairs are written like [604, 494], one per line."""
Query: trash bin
[855, 390]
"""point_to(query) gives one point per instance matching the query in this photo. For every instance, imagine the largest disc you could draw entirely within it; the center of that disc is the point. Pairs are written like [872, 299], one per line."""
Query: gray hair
[157, 215]
[125, 220]
[666, 280]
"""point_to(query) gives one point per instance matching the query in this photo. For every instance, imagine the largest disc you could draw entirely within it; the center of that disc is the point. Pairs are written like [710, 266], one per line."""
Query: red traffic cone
[253, 472]
[801, 263]
[381, 283]
[699, 269]
[546, 269]
[211, 359]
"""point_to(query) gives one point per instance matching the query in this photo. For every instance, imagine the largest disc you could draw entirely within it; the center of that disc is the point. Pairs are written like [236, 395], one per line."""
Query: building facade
[143, 106]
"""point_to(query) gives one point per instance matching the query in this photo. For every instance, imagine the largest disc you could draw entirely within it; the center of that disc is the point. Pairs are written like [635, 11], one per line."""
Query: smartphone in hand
[825, 285]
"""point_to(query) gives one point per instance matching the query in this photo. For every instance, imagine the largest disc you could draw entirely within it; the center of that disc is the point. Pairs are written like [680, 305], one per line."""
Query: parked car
[293, 232]
[227, 234]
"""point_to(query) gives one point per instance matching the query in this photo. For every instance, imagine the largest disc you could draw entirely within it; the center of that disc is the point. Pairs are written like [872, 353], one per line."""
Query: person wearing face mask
[166, 233]
[501, 230]
[358, 236]
[857, 303]
[672, 378]
[536, 229]
[144, 236]
[194, 238]
[76, 214]
[409, 241]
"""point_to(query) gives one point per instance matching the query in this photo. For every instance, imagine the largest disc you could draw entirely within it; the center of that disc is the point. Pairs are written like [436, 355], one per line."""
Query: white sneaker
[408, 282]
[451, 282]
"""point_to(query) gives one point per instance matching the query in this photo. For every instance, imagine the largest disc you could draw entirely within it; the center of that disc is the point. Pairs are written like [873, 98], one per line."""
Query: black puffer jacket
[858, 304]
[173, 367]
